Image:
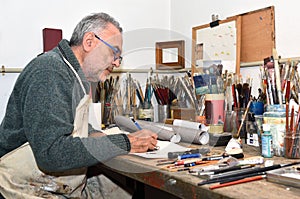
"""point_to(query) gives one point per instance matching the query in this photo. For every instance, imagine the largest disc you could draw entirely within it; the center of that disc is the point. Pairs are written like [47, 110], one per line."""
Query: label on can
[145, 114]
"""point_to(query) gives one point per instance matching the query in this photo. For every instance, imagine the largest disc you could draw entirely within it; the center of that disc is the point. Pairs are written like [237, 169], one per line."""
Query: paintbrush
[244, 118]
[277, 76]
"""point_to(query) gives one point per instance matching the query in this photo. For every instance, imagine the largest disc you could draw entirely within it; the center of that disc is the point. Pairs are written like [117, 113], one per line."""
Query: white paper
[164, 148]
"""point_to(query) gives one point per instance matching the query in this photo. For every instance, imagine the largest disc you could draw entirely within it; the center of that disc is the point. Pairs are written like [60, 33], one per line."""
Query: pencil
[237, 182]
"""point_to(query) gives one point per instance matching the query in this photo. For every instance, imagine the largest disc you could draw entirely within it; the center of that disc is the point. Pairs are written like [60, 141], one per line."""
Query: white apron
[21, 178]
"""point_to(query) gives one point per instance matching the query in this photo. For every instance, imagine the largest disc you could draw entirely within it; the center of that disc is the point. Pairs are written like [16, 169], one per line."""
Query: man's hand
[142, 141]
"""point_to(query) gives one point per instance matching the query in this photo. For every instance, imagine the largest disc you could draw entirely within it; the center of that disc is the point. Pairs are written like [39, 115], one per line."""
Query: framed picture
[170, 55]
[219, 44]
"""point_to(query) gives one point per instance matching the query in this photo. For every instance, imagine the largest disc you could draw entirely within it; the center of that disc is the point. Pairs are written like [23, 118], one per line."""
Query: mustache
[110, 68]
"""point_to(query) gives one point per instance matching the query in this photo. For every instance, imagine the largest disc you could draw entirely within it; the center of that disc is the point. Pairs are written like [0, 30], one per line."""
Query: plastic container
[267, 142]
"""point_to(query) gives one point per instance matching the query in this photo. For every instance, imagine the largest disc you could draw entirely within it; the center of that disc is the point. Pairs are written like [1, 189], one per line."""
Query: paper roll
[187, 135]
[188, 124]
[190, 135]
[194, 132]
[163, 132]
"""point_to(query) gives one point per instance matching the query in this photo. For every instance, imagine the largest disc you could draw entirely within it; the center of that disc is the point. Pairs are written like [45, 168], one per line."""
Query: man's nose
[116, 63]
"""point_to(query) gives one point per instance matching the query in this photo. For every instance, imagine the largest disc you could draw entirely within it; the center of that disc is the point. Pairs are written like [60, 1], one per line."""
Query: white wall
[22, 23]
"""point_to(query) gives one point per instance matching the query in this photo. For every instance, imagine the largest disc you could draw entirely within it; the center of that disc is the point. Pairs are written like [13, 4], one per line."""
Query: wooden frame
[237, 41]
[178, 63]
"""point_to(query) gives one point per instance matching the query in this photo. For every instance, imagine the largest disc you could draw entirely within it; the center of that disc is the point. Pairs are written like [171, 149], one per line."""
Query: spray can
[267, 142]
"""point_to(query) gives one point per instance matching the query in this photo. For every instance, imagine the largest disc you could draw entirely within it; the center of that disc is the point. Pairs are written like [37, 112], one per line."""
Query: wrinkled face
[104, 54]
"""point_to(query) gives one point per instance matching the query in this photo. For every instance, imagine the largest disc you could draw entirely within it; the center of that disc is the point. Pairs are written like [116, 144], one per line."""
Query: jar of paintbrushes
[291, 137]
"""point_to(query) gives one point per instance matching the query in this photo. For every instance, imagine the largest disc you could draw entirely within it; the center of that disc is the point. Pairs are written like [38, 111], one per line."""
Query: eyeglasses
[115, 50]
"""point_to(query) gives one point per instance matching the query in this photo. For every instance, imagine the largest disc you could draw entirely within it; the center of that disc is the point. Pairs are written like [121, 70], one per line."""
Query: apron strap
[76, 74]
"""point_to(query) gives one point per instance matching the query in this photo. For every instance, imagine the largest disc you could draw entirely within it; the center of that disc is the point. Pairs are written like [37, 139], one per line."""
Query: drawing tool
[187, 161]
[250, 179]
[226, 169]
[172, 155]
[286, 74]
[287, 95]
[292, 119]
[165, 163]
[297, 120]
[229, 179]
[186, 156]
[135, 123]
[250, 171]
[244, 117]
[240, 174]
[234, 95]
[277, 75]
[184, 169]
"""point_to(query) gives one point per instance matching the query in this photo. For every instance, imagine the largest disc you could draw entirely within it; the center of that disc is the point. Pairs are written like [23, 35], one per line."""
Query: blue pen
[185, 156]
[136, 124]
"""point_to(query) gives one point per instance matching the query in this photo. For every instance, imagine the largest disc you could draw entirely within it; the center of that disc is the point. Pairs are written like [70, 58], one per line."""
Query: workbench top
[184, 185]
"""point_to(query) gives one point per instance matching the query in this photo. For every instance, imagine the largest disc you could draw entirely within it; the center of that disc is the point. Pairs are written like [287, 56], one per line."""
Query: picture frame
[218, 44]
[170, 55]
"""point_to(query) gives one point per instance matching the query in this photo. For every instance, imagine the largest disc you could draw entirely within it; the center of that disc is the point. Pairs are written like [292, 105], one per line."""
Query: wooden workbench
[151, 181]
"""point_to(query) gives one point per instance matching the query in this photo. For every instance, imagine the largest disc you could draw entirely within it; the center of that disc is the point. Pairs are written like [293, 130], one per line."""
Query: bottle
[251, 129]
[267, 142]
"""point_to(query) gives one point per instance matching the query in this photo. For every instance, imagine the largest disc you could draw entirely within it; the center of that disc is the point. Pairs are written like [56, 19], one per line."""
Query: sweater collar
[68, 53]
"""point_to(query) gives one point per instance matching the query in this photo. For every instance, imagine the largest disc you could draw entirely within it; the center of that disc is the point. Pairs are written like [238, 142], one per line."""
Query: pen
[135, 123]
[186, 156]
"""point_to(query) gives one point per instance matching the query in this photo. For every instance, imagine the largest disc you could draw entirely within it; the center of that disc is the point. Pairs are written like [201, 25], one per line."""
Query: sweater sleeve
[48, 105]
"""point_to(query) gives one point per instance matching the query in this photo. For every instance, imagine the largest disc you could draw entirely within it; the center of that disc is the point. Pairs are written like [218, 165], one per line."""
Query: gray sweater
[41, 111]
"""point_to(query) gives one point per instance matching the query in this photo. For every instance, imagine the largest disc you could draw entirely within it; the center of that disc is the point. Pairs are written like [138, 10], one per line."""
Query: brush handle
[237, 182]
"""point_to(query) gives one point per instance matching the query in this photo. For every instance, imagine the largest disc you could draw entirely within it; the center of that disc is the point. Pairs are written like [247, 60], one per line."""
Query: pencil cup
[214, 108]
[163, 113]
[291, 146]
[259, 123]
[257, 108]
[145, 112]
[236, 121]
[228, 123]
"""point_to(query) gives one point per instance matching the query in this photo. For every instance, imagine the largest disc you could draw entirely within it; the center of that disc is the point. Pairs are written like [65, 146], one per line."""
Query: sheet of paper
[164, 146]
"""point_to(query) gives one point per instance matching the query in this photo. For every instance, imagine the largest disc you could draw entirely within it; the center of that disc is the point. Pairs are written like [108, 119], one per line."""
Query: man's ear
[88, 42]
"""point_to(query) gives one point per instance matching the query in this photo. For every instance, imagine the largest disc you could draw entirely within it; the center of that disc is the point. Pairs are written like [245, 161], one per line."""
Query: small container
[291, 146]
[259, 124]
[257, 108]
[146, 112]
[275, 116]
[163, 112]
[267, 142]
[251, 129]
